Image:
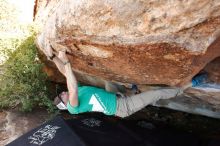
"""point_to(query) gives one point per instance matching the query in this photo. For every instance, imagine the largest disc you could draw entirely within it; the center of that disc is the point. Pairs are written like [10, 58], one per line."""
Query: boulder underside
[132, 41]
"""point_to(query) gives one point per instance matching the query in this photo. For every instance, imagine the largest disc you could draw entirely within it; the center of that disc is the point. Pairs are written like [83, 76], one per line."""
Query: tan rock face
[133, 41]
[213, 69]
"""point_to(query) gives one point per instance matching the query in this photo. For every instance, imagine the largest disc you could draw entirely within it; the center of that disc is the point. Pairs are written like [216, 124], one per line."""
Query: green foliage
[23, 83]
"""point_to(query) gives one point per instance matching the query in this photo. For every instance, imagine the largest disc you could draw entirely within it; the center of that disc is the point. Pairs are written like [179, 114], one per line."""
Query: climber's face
[61, 100]
[65, 97]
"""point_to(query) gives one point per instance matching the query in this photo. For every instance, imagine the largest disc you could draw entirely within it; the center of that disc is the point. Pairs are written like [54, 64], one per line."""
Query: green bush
[23, 84]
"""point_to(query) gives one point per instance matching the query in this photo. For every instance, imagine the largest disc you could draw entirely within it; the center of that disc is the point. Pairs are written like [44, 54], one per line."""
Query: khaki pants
[127, 105]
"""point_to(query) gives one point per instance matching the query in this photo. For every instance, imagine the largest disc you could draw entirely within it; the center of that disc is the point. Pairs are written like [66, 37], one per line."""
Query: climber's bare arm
[51, 56]
[59, 65]
[70, 79]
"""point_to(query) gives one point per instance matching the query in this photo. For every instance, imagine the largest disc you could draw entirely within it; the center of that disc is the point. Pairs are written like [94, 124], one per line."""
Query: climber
[81, 99]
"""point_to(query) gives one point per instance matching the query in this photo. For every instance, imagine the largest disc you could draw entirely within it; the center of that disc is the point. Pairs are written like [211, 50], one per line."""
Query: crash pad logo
[43, 135]
[92, 122]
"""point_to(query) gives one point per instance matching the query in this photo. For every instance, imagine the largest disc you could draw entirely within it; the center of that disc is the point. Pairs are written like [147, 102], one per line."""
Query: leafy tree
[23, 83]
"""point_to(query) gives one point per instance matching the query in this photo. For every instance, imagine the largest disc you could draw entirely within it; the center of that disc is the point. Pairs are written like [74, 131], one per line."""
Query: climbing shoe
[199, 79]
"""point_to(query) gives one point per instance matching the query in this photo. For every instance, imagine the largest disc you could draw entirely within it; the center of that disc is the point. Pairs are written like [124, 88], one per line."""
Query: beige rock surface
[213, 69]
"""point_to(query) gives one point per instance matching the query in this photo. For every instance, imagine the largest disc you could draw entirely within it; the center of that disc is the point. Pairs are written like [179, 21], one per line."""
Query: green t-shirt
[94, 99]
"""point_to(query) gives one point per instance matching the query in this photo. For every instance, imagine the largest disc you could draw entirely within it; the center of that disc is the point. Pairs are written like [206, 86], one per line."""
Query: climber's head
[61, 100]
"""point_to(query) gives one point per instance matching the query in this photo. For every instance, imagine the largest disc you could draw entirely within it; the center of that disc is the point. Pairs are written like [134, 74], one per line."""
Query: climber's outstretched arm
[70, 79]
[59, 65]
[51, 56]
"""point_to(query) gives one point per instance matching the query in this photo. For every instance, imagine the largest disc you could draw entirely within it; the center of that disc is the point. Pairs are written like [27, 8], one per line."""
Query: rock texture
[133, 41]
[213, 69]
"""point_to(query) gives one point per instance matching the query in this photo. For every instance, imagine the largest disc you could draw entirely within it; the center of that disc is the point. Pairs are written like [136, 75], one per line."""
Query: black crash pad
[99, 130]
[81, 131]
[53, 133]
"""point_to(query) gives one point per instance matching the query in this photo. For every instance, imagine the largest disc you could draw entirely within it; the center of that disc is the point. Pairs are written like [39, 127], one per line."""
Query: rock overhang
[141, 42]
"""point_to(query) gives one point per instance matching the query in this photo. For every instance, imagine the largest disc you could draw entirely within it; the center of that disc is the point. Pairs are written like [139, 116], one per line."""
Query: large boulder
[111, 42]
[133, 41]
[213, 69]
